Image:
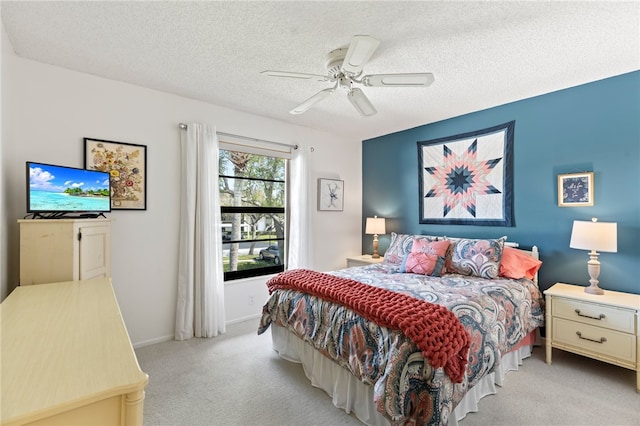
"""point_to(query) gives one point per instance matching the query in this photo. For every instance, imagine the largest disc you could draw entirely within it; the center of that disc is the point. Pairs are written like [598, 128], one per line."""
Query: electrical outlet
[250, 300]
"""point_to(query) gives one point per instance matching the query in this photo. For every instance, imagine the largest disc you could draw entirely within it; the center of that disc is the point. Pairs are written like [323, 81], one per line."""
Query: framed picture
[575, 189]
[127, 165]
[330, 195]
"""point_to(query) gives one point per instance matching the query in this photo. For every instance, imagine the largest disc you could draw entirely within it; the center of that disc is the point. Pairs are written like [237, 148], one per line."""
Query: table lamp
[594, 235]
[375, 225]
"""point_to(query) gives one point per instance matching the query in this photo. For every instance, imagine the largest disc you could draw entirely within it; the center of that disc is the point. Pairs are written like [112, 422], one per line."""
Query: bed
[417, 339]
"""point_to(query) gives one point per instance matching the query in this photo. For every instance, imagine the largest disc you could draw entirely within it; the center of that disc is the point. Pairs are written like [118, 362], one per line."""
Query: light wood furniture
[605, 327]
[67, 358]
[363, 260]
[56, 250]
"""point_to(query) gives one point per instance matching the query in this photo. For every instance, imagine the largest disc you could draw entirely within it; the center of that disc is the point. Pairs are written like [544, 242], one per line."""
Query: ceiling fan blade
[360, 51]
[299, 75]
[398, 80]
[311, 101]
[361, 102]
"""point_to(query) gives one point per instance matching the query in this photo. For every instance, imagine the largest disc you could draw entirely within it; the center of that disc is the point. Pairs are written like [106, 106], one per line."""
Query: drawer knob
[599, 317]
[602, 339]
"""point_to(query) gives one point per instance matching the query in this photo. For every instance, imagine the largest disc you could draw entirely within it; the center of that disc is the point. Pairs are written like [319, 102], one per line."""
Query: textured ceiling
[482, 54]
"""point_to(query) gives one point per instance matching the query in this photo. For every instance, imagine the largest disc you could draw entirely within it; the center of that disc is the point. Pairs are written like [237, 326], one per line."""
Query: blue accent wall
[592, 127]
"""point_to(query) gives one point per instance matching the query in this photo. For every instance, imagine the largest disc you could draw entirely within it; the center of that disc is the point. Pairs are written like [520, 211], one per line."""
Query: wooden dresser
[67, 359]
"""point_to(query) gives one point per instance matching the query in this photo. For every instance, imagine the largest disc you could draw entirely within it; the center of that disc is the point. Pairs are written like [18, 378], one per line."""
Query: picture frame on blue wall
[330, 195]
[575, 189]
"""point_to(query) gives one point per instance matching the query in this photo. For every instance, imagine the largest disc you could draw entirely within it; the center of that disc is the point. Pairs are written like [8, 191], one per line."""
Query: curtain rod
[184, 127]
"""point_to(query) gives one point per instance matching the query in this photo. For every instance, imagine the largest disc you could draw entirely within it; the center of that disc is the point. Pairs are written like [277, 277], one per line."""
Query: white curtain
[299, 255]
[200, 307]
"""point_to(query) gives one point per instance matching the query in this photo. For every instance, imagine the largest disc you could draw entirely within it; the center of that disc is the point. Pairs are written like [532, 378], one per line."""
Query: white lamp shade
[375, 225]
[591, 235]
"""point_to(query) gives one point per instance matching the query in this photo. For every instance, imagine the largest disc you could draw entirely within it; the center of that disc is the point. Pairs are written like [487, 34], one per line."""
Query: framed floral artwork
[330, 195]
[126, 163]
[575, 189]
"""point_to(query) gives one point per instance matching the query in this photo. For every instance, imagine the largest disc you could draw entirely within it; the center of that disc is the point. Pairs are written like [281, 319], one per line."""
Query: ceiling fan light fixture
[344, 68]
[361, 102]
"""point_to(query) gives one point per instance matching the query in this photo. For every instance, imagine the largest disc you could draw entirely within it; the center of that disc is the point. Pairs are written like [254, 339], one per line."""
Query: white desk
[67, 359]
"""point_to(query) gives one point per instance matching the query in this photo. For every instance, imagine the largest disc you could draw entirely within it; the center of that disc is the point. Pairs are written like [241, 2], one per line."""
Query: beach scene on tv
[63, 189]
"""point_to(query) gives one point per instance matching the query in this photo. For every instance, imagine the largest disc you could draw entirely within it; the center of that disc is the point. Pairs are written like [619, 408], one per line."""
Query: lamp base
[375, 254]
[593, 289]
[593, 267]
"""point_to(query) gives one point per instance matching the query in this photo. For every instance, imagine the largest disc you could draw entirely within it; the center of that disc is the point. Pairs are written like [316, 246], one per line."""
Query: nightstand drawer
[595, 314]
[597, 340]
[353, 262]
[364, 260]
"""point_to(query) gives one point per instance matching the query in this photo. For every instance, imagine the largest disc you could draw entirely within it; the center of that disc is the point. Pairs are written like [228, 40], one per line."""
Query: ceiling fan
[344, 69]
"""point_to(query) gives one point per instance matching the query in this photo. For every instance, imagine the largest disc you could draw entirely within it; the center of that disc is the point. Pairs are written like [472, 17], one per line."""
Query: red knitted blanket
[436, 331]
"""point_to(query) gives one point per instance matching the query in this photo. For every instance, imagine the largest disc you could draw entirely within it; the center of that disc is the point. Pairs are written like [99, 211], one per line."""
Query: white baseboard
[242, 319]
[153, 341]
[171, 337]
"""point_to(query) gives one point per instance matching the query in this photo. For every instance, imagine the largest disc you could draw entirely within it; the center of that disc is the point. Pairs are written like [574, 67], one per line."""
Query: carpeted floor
[237, 379]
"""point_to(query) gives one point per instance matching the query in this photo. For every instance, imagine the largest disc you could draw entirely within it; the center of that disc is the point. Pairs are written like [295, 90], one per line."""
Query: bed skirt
[353, 396]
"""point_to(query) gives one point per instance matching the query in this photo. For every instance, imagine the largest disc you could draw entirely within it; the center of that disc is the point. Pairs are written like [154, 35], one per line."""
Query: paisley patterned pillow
[400, 246]
[477, 258]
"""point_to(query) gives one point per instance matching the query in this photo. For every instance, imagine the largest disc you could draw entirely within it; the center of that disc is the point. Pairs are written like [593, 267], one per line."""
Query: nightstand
[604, 327]
[363, 260]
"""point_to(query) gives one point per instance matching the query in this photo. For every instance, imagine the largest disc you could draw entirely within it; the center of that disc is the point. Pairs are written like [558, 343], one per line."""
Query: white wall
[48, 110]
[4, 45]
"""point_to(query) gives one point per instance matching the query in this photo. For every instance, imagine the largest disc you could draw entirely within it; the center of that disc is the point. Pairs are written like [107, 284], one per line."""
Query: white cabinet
[55, 250]
[605, 327]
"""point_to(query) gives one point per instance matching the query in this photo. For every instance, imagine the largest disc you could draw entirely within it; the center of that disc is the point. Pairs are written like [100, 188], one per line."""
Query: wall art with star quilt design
[467, 179]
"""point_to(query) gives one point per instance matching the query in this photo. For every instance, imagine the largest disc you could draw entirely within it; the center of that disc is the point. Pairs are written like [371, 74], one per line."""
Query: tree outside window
[252, 196]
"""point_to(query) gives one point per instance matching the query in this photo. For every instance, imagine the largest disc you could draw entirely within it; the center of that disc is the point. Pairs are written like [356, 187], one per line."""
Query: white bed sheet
[351, 395]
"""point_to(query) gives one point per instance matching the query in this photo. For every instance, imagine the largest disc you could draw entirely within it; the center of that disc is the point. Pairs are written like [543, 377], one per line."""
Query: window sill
[259, 278]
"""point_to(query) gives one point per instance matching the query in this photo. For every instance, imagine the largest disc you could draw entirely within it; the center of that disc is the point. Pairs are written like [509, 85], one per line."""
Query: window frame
[266, 152]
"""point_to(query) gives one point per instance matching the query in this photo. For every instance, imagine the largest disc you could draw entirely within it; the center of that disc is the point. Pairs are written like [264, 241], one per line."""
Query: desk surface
[64, 345]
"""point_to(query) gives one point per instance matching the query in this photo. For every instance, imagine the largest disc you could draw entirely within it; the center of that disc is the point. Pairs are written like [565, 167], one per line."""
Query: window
[252, 198]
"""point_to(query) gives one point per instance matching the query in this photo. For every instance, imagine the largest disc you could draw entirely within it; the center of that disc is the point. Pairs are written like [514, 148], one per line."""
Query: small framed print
[127, 165]
[575, 189]
[330, 195]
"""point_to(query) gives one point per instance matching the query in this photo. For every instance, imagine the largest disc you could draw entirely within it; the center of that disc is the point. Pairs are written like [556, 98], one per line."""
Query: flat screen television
[59, 191]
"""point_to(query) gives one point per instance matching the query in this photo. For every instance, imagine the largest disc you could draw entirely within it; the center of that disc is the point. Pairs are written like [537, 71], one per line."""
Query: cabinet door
[95, 252]
[47, 251]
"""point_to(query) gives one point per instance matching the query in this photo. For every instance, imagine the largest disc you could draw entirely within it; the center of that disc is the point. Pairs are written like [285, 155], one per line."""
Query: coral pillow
[421, 263]
[426, 257]
[421, 245]
[515, 264]
[400, 247]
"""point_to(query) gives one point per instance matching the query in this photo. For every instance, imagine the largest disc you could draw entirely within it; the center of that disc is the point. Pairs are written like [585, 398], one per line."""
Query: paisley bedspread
[496, 313]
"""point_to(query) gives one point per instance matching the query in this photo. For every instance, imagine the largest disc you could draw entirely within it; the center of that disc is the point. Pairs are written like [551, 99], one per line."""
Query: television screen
[61, 189]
